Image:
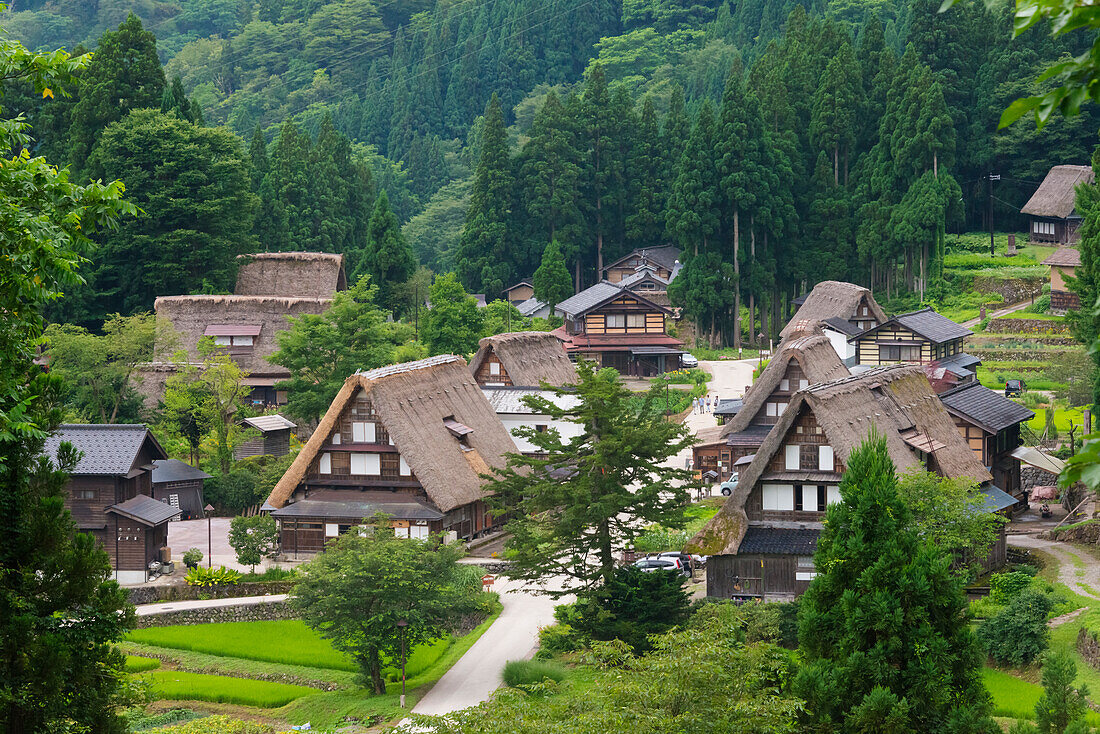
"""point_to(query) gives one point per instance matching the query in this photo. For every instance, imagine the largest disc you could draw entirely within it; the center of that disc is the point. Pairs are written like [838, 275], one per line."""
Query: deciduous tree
[454, 323]
[254, 539]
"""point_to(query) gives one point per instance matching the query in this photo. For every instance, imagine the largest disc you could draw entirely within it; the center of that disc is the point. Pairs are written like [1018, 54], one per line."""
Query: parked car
[686, 561]
[688, 360]
[727, 487]
[1014, 388]
[649, 565]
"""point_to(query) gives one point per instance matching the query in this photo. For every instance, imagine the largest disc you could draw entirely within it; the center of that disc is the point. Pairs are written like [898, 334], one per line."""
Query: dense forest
[776, 144]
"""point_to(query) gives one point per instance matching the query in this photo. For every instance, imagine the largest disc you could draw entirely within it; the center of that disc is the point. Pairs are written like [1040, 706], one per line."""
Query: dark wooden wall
[777, 574]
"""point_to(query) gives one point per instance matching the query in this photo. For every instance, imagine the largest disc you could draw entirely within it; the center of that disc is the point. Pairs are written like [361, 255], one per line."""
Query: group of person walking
[704, 404]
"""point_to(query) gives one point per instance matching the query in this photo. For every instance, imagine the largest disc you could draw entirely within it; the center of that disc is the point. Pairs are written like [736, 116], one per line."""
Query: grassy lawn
[1062, 419]
[1033, 316]
[200, 662]
[178, 685]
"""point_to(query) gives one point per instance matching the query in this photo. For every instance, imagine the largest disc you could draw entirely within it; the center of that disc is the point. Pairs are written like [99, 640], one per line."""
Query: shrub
[192, 558]
[275, 573]
[558, 638]
[1041, 305]
[761, 622]
[527, 672]
[985, 608]
[1019, 634]
[1003, 587]
[607, 654]
[233, 492]
[630, 607]
[788, 623]
[200, 576]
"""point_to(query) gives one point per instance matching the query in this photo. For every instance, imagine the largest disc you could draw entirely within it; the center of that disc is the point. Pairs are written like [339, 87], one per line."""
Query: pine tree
[645, 223]
[1062, 703]
[552, 283]
[388, 258]
[124, 74]
[550, 167]
[883, 627]
[598, 172]
[175, 100]
[483, 257]
[833, 120]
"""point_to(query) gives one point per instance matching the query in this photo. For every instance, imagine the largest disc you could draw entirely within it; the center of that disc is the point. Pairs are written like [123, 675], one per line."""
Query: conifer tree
[833, 120]
[550, 170]
[675, 129]
[388, 259]
[174, 100]
[883, 627]
[483, 258]
[552, 283]
[124, 74]
[645, 223]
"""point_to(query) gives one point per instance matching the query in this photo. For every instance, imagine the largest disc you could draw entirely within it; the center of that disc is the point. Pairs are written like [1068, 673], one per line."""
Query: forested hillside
[776, 144]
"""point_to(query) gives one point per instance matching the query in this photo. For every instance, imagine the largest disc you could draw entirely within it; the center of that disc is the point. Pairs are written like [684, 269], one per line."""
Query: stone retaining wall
[1028, 326]
[1030, 477]
[1089, 647]
[1013, 290]
[184, 592]
[259, 612]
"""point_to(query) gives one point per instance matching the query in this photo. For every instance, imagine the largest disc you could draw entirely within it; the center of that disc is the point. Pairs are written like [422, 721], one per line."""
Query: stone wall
[1030, 477]
[1013, 290]
[254, 612]
[1028, 326]
[1089, 647]
[184, 592]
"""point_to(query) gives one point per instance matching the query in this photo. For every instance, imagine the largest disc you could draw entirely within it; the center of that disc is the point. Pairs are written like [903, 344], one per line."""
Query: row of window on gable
[361, 432]
[799, 497]
[806, 457]
[362, 464]
[1042, 227]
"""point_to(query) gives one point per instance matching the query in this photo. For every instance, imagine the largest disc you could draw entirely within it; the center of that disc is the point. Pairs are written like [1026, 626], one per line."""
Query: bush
[527, 672]
[608, 654]
[630, 607]
[1003, 587]
[788, 623]
[761, 622]
[274, 573]
[985, 608]
[200, 576]
[1041, 305]
[233, 492]
[1019, 634]
[192, 558]
[559, 638]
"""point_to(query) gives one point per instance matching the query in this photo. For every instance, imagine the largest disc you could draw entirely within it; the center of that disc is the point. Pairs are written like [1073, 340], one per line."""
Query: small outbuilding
[274, 438]
[1052, 209]
[180, 485]
[1063, 264]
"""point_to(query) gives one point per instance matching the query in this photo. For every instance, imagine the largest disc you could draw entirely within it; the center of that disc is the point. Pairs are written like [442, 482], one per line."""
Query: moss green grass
[179, 685]
[137, 664]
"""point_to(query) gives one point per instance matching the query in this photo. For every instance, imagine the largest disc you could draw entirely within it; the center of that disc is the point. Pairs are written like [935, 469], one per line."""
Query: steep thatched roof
[296, 274]
[828, 299]
[895, 401]
[814, 354]
[529, 357]
[412, 400]
[1057, 194]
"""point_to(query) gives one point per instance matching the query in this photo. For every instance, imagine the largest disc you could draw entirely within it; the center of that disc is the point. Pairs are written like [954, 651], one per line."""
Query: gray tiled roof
[530, 306]
[145, 509]
[588, 298]
[108, 449]
[267, 423]
[510, 399]
[355, 505]
[931, 325]
[779, 541]
[988, 408]
[844, 326]
[961, 364]
[174, 470]
[996, 499]
[665, 256]
[640, 276]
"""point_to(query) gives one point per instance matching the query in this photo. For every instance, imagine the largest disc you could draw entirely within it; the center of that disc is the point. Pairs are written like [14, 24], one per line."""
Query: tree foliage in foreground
[701, 678]
[883, 627]
[454, 323]
[356, 591]
[578, 499]
[254, 538]
[60, 615]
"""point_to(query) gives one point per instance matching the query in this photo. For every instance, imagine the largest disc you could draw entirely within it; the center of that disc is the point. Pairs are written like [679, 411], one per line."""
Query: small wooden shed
[274, 438]
[180, 485]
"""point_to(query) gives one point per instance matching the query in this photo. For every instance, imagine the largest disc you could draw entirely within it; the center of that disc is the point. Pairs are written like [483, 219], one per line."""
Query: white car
[688, 360]
[729, 486]
[649, 565]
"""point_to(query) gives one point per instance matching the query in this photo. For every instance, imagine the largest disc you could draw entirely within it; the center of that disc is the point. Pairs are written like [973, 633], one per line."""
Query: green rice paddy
[177, 685]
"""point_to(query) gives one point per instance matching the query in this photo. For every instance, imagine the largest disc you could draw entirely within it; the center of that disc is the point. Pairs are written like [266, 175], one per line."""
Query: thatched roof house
[522, 359]
[797, 364]
[797, 470]
[412, 437]
[1052, 208]
[291, 274]
[837, 310]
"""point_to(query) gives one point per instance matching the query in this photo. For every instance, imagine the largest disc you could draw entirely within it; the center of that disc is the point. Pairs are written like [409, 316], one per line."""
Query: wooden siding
[625, 310]
[777, 574]
[339, 450]
[271, 443]
[975, 438]
[188, 496]
[91, 513]
[868, 348]
[484, 374]
[629, 268]
[787, 386]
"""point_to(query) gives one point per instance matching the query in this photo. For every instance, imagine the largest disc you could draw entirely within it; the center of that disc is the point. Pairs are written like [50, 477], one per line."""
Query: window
[809, 498]
[785, 385]
[833, 494]
[804, 569]
[366, 464]
[84, 494]
[803, 384]
[792, 457]
[332, 530]
[233, 341]
[779, 408]
[825, 458]
[222, 341]
[864, 311]
[494, 368]
[778, 497]
[770, 410]
[418, 532]
[324, 466]
[541, 428]
[614, 321]
[898, 353]
[405, 469]
[635, 320]
[337, 437]
[362, 432]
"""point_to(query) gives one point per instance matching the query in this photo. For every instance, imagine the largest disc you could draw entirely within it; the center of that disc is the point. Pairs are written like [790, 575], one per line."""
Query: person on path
[707, 405]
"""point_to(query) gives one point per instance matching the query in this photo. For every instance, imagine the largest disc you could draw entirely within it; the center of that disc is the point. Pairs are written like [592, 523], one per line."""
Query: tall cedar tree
[833, 124]
[388, 259]
[60, 615]
[192, 185]
[124, 74]
[454, 323]
[574, 501]
[645, 224]
[320, 351]
[883, 627]
[551, 282]
[483, 260]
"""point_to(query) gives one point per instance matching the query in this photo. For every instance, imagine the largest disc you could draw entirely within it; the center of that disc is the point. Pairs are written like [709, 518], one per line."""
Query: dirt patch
[1081, 575]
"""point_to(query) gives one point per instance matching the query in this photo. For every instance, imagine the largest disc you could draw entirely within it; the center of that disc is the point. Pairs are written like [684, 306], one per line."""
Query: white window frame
[809, 498]
[780, 408]
[825, 458]
[614, 321]
[803, 384]
[324, 466]
[223, 341]
[332, 529]
[337, 438]
[770, 409]
[366, 465]
[419, 532]
[638, 320]
[792, 454]
[405, 469]
[832, 495]
[494, 368]
[363, 432]
[778, 497]
[785, 384]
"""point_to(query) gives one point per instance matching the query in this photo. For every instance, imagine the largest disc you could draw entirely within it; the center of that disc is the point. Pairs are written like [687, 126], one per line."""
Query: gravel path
[998, 313]
[144, 610]
[1076, 570]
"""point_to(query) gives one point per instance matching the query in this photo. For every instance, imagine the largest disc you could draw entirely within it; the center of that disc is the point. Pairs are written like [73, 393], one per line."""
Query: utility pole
[991, 178]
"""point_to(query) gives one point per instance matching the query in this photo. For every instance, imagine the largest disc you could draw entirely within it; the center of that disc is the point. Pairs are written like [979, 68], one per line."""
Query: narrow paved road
[514, 635]
[1077, 571]
[729, 379]
[175, 606]
[998, 313]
